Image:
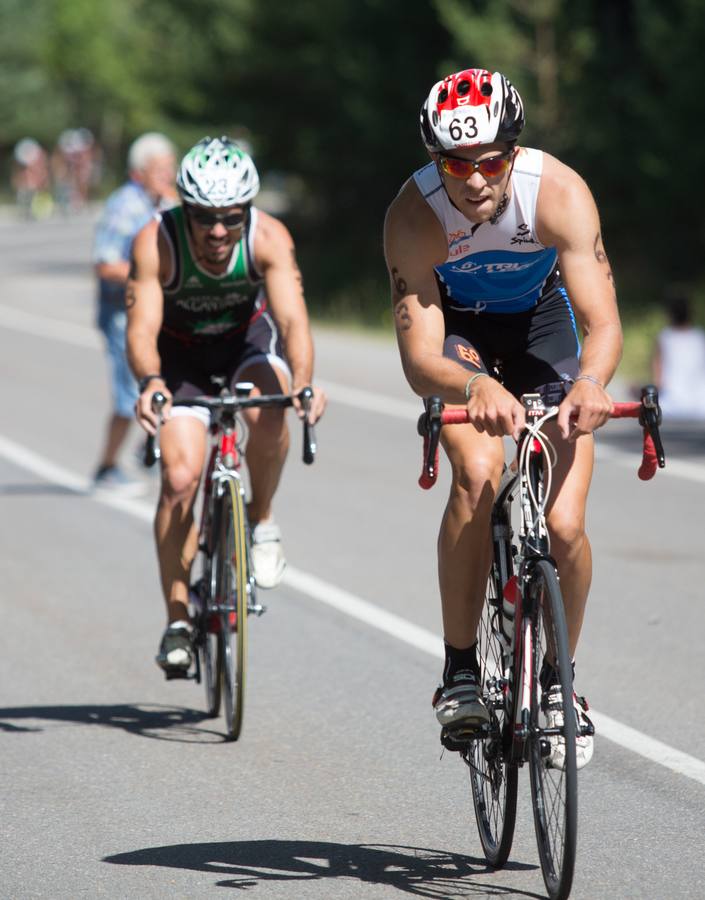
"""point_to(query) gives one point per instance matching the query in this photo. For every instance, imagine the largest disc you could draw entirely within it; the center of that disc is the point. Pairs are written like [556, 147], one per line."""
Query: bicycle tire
[212, 648]
[493, 777]
[232, 580]
[208, 641]
[554, 790]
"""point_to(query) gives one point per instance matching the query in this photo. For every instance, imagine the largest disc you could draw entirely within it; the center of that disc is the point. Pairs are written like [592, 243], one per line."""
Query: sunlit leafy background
[328, 92]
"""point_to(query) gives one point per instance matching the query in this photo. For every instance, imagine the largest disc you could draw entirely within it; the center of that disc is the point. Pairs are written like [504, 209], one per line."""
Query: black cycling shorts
[530, 352]
[187, 366]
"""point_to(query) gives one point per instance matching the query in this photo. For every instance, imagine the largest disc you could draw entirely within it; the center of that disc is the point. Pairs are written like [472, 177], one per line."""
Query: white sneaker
[459, 705]
[584, 744]
[268, 561]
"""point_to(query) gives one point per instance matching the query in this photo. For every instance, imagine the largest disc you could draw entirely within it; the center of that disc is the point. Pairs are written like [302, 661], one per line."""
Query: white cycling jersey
[499, 267]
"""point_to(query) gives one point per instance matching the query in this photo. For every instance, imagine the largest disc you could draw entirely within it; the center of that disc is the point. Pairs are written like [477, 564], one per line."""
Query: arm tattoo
[130, 296]
[601, 257]
[402, 316]
[399, 283]
[600, 254]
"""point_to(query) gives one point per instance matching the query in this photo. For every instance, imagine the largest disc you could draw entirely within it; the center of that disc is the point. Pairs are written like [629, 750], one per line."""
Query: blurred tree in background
[328, 94]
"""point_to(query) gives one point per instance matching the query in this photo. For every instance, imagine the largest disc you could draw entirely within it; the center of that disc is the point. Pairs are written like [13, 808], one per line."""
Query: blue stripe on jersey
[564, 293]
[497, 280]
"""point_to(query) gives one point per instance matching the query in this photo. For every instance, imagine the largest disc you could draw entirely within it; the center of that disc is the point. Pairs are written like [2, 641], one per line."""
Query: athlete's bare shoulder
[412, 229]
[271, 238]
[145, 255]
[564, 201]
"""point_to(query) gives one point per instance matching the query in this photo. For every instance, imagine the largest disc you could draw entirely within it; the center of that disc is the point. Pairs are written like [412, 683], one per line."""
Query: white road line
[357, 608]
[39, 326]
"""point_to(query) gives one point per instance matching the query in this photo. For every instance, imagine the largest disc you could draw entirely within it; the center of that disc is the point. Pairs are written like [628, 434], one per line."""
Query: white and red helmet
[469, 108]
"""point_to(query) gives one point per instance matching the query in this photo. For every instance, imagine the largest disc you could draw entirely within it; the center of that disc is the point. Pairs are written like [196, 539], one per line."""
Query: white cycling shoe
[268, 562]
[584, 744]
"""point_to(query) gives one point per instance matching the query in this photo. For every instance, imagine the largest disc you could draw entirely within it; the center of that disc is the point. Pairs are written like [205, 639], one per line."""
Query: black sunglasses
[208, 219]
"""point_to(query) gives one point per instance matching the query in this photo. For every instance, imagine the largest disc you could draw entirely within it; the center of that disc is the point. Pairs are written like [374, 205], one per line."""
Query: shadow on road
[164, 723]
[414, 870]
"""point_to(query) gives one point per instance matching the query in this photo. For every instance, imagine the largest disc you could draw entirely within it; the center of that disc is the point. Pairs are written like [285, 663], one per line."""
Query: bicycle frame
[223, 466]
[525, 478]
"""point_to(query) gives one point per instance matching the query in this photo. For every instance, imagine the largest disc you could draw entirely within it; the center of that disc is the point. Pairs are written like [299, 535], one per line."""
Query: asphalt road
[114, 784]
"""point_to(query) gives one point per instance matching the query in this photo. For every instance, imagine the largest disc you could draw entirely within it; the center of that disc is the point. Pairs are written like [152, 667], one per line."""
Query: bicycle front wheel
[232, 582]
[552, 761]
[493, 778]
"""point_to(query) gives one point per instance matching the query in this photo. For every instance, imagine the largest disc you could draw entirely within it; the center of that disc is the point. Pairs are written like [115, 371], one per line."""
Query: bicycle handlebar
[235, 403]
[647, 410]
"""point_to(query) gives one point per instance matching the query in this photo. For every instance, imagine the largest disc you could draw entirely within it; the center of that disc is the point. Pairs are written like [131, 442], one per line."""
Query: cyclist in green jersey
[215, 289]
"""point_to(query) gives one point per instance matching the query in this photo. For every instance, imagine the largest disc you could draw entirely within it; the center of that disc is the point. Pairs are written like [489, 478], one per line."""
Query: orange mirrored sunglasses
[492, 167]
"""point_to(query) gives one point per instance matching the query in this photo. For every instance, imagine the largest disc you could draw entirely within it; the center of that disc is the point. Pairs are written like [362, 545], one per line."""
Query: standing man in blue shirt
[151, 164]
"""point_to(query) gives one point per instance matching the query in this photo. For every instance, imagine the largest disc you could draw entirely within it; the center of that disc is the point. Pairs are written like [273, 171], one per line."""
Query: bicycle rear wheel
[493, 779]
[554, 788]
[232, 582]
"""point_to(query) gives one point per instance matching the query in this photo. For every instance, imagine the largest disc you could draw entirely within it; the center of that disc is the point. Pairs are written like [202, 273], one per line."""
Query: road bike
[522, 643]
[223, 589]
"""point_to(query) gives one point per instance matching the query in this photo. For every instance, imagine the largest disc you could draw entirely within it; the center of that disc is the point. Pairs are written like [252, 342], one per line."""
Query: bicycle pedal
[257, 609]
[457, 739]
[176, 673]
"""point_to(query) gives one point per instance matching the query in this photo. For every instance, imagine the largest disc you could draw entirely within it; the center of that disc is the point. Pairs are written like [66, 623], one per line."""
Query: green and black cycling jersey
[200, 307]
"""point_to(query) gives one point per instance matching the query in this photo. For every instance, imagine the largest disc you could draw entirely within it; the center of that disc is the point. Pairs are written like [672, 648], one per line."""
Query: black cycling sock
[548, 675]
[458, 661]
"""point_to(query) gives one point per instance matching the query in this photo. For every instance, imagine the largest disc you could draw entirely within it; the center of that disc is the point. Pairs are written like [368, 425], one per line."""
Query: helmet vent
[486, 89]
[443, 95]
[463, 87]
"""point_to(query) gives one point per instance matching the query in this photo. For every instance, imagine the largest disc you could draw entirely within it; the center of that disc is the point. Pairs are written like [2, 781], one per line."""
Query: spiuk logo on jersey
[523, 235]
[468, 355]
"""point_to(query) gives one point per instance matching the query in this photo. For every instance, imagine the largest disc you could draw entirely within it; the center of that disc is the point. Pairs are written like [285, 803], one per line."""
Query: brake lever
[310, 446]
[152, 450]
[429, 427]
[650, 418]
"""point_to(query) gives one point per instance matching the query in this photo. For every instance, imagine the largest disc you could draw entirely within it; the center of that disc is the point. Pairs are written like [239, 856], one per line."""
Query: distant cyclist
[495, 257]
[215, 289]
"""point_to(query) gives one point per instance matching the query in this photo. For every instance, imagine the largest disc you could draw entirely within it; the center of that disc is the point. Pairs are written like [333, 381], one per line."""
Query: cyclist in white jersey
[496, 258]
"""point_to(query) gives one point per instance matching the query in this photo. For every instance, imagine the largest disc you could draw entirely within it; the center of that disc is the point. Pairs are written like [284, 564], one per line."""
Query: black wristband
[143, 382]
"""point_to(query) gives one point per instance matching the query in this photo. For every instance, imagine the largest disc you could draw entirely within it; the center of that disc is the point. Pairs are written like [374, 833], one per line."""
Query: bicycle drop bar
[235, 403]
[647, 411]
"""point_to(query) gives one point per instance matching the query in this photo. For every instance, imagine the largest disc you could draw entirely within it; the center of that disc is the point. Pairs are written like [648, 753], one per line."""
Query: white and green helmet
[216, 172]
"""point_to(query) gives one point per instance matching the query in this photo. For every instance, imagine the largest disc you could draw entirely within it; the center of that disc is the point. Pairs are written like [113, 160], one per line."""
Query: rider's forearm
[142, 354]
[298, 349]
[601, 352]
[438, 376]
